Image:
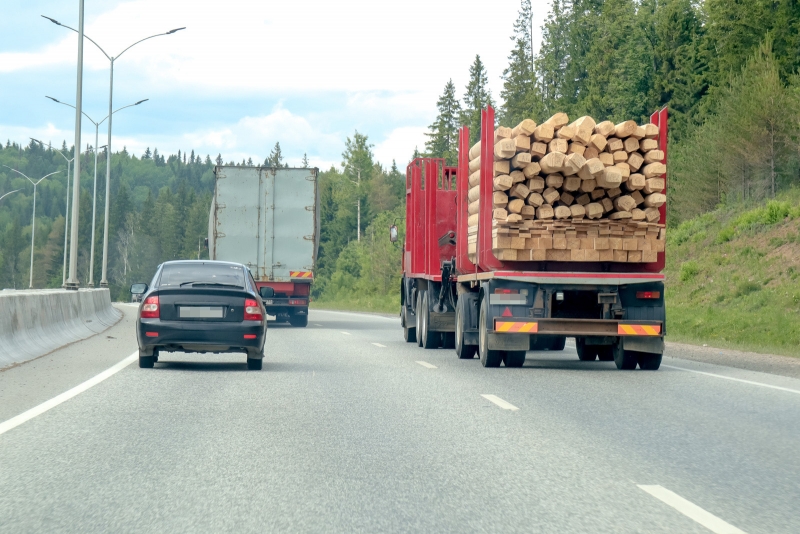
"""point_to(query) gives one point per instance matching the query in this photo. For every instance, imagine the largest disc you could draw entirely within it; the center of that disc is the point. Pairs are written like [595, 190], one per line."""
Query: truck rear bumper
[580, 327]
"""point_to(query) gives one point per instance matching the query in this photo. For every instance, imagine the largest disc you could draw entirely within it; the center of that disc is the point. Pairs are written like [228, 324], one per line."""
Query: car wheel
[254, 364]
[300, 321]
[489, 358]
[147, 362]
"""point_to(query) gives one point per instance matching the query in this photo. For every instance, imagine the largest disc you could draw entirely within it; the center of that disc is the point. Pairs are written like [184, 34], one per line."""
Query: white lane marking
[500, 402]
[426, 364]
[347, 333]
[734, 379]
[315, 324]
[379, 345]
[691, 510]
[14, 422]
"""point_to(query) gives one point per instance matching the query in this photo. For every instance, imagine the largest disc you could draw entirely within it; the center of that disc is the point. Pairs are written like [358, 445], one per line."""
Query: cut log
[472, 221]
[639, 133]
[474, 207]
[576, 148]
[584, 199]
[505, 149]
[558, 145]
[544, 133]
[625, 129]
[614, 193]
[531, 169]
[631, 144]
[513, 218]
[572, 164]
[517, 176]
[536, 184]
[637, 196]
[563, 212]
[635, 182]
[572, 183]
[551, 196]
[566, 199]
[552, 162]
[597, 194]
[519, 191]
[609, 178]
[624, 170]
[591, 169]
[614, 145]
[606, 158]
[538, 150]
[654, 156]
[620, 156]
[578, 211]
[635, 161]
[525, 128]
[585, 123]
[655, 200]
[638, 215]
[594, 210]
[475, 164]
[566, 133]
[475, 178]
[558, 120]
[624, 203]
[605, 128]
[474, 194]
[554, 180]
[591, 152]
[654, 170]
[587, 186]
[528, 212]
[608, 204]
[499, 199]
[523, 143]
[653, 185]
[653, 215]
[502, 133]
[619, 215]
[475, 151]
[502, 183]
[515, 205]
[521, 160]
[583, 135]
[501, 167]
[499, 214]
[545, 212]
[650, 131]
[646, 145]
[599, 142]
[535, 200]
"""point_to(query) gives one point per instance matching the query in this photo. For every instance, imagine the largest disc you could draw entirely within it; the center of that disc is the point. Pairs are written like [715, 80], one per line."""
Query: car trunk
[202, 304]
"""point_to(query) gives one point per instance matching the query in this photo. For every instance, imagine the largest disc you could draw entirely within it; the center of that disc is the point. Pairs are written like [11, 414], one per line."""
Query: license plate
[200, 312]
[268, 302]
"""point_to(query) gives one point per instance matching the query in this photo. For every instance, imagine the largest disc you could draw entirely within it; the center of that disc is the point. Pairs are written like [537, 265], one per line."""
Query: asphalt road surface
[350, 429]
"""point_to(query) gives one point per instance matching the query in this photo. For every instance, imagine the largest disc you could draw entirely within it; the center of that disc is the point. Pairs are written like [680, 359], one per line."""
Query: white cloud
[399, 146]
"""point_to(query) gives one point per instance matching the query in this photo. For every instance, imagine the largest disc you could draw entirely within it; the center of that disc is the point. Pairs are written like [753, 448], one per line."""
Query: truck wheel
[489, 358]
[464, 352]
[605, 353]
[586, 353]
[427, 339]
[624, 359]
[648, 362]
[409, 332]
[558, 343]
[448, 340]
[514, 358]
[300, 321]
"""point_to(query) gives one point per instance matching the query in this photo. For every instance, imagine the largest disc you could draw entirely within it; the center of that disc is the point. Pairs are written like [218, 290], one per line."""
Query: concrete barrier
[36, 322]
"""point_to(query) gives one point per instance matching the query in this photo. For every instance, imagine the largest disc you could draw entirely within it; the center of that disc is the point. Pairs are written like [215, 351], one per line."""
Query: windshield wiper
[215, 284]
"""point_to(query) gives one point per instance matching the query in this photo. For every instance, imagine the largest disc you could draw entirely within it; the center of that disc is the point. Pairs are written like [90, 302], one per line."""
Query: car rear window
[173, 275]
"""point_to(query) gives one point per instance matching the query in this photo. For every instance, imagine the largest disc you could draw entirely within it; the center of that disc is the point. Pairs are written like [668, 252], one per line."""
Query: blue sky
[245, 74]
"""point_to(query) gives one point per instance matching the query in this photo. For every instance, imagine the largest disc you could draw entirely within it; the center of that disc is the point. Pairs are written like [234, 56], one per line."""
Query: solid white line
[500, 402]
[734, 379]
[379, 345]
[691, 510]
[428, 365]
[347, 333]
[14, 422]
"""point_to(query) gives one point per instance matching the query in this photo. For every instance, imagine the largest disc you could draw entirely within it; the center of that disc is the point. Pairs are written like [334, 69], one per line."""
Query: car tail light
[648, 294]
[252, 311]
[150, 309]
[249, 336]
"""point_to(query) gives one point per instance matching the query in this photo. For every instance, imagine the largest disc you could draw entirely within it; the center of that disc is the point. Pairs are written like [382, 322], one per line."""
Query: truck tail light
[648, 294]
[150, 308]
[252, 311]
[296, 302]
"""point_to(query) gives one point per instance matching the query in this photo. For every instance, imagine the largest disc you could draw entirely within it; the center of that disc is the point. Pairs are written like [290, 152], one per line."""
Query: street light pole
[33, 219]
[72, 281]
[104, 278]
[14, 191]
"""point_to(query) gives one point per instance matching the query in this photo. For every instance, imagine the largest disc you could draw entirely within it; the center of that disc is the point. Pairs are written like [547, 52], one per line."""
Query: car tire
[464, 352]
[489, 358]
[514, 358]
[299, 321]
[146, 362]
[409, 332]
[648, 362]
[254, 364]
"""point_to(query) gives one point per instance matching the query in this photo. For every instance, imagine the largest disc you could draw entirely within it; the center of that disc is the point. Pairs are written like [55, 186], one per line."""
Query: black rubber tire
[464, 352]
[254, 364]
[648, 362]
[147, 362]
[299, 321]
[418, 317]
[586, 353]
[605, 353]
[559, 343]
[514, 358]
[625, 360]
[409, 332]
[448, 340]
[428, 339]
[489, 358]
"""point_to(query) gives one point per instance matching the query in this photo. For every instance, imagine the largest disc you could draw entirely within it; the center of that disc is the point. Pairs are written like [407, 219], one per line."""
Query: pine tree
[304, 163]
[147, 154]
[520, 94]
[219, 159]
[553, 59]
[443, 133]
[477, 97]
[275, 159]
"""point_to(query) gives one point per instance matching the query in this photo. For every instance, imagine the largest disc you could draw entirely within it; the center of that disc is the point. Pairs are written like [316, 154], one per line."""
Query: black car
[201, 306]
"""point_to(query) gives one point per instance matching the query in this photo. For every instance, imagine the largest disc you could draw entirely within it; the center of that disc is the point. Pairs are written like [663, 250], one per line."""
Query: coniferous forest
[728, 71]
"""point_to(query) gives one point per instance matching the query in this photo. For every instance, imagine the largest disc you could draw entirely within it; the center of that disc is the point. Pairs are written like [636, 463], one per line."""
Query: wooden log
[608, 204]
[544, 133]
[605, 128]
[653, 185]
[606, 158]
[599, 142]
[655, 200]
[584, 199]
[528, 212]
[572, 183]
[594, 210]
[577, 211]
[499, 214]
[475, 151]
[638, 215]
[502, 183]
[609, 178]
[624, 203]
[531, 169]
[558, 120]
[475, 164]
[617, 215]
[591, 169]
[566, 199]
[635, 161]
[502, 167]
[620, 157]
[572, 164]
[536, 184]
[584, 123]
[558, 145]
[631, 144]
[583, 134]
[597, 194]
[646, 145]
[526, 128]
[519, 191]
[535, 200]
[475, 178]
[563, 212]
[523, 143]
[517, 176]
[474, 207]
[614, 193]
[614, 145]
[587, 186]
[521, 160]
[635, 182]
[551, 196]
[590, 152]
[515, 205]
[505, 149]
[654, 156]
[639, 133]
[501, 132]
[499, 199]
[566, 133]
[552, 162]
[650, 131]
[625, 129]
[538, 150]
[554, 180]
[654, 170]
[637, 197]
[624, 170]
[652, 214]
[576, 148]
[545, 212]
[474, 194]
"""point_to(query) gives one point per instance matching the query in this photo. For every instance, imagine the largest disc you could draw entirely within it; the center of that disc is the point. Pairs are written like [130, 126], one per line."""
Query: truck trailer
[499, 310]
[268, 219]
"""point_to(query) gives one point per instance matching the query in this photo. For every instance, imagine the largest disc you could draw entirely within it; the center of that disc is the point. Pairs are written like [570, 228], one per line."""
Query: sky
[246, 74]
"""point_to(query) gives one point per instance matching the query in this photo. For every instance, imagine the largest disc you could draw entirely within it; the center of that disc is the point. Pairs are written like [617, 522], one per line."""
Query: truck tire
[514, 358]
[648, 362]
[409, 332]
[427, 339]
[300, 321]
[625, 360]
[418, 317]
[464, 352]
[448, 340]
[558, 343]
[605, 353]
[586, 353]
[489, 358]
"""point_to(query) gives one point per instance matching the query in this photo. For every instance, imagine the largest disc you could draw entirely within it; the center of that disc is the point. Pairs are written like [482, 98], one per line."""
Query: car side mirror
[138, 289]
[266, 292]
[393, 233]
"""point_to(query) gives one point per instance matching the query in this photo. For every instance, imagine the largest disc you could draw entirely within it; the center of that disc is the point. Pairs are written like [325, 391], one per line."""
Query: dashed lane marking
[500, 402]
[428, 365]
[752, 383]
[347, 333]
[14, 422]
[315, 324]
[691, 510]
[379, 345]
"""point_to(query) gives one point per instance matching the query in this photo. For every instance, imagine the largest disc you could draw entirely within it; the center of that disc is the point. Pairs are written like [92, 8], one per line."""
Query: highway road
[350, 429]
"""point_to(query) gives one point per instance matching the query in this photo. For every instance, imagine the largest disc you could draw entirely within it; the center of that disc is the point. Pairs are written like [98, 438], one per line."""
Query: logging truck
[268, 220]
[495, 269]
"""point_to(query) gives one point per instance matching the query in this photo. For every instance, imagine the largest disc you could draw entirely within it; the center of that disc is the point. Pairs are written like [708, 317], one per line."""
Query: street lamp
[14, 191]
[111, 59]
[358, 220]
[33, 220]
[94, 194]
[66, 215]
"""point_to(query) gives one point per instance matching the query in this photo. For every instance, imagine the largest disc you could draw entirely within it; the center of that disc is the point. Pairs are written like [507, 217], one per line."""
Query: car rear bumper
[197, 336]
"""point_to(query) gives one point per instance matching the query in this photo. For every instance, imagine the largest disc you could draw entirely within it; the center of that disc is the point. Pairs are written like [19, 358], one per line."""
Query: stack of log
[590, 183]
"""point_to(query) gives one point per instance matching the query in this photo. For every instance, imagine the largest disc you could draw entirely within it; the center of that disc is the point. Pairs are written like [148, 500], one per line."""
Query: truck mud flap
[442, 322]
[652, 345]
[508, 341]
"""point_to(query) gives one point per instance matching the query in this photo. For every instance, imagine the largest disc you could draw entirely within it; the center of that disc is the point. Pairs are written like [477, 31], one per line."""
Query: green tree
[275, 158]
[476, 98]
[520, 94]
[443, 133]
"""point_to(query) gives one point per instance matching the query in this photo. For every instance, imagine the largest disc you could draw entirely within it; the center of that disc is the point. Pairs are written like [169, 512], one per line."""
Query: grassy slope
[733, 278]
[368, 303]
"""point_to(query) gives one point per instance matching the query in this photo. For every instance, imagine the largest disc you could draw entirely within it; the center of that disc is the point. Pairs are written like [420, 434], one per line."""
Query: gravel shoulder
[750, 361]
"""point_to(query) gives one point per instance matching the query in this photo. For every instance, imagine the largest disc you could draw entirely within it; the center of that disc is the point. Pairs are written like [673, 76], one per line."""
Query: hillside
[733, 278]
